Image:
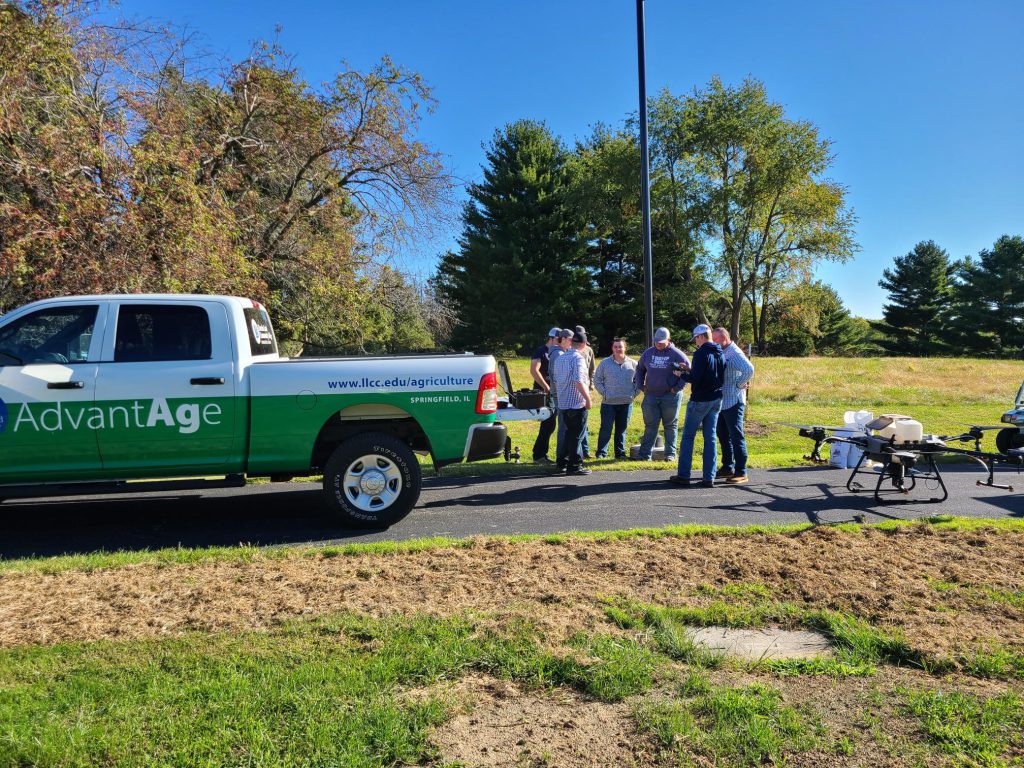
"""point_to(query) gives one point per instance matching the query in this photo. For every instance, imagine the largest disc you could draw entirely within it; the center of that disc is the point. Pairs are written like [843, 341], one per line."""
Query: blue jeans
[561, 433]
[570, 456]
[613, 416]
[658, 410]
[700, 416]
[734, 443]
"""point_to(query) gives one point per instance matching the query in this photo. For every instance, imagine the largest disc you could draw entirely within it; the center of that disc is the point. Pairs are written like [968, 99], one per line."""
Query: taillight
[487, 395]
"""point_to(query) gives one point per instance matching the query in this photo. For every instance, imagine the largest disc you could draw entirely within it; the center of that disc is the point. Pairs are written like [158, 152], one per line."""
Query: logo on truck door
[187, 418]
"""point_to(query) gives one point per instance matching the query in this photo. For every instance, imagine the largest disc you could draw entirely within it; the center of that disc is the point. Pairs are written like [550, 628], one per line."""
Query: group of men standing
[718, 375]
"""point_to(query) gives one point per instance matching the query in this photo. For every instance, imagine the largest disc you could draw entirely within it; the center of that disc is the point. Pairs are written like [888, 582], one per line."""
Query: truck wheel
[1009, 438]
[373, 480]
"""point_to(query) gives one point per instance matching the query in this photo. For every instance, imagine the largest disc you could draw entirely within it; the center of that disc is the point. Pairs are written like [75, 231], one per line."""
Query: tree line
[128, 163]
[941, 306]
[742, 210]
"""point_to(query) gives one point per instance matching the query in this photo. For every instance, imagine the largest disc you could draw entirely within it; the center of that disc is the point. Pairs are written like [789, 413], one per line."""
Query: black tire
[1009, 438]
[369, 464]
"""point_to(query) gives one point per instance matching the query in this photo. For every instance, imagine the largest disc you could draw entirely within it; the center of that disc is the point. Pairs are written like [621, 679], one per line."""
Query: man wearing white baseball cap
[706, 376]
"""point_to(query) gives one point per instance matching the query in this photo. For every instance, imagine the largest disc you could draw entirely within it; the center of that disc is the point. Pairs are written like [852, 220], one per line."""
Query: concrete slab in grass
[756, 644]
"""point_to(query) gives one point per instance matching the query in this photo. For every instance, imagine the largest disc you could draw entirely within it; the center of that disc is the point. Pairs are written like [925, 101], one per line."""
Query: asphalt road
[290, 513]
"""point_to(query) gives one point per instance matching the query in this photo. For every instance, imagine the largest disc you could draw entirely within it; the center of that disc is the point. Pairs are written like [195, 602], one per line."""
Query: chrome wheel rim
[372, 483]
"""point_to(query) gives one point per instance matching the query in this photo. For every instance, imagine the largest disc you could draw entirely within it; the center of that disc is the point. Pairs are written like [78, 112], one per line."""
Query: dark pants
[732, 439]
[571, 455]
[616, 416]
[543, 441]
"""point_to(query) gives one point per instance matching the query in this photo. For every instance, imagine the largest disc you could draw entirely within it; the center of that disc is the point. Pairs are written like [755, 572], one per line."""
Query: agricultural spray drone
[894, 447]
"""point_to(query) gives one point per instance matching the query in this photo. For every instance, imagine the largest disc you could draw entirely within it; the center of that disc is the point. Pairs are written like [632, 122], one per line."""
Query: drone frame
[899, 461]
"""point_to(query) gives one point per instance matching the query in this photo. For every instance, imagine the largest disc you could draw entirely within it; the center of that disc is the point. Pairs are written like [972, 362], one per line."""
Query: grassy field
[946, 395]
[371, 656]
[541, 651]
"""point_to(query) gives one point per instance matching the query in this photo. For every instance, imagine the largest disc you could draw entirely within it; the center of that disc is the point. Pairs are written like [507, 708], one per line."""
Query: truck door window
[54, 335]
[156, 332]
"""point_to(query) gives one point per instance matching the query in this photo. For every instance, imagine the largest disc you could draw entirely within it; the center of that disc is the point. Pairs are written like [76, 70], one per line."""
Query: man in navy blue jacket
[706, 375]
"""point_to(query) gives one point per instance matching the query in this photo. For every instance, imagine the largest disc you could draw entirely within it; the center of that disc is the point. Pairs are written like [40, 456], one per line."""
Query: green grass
[994, 661]
[935, 391]
[747, 726]
[244, 553]
[323, 692]
[975, 731]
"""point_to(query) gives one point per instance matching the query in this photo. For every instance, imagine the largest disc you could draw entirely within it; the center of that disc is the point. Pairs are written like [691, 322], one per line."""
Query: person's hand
[588, 403]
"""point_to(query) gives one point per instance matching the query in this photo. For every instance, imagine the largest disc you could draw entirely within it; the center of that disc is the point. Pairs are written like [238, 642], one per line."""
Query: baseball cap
[701, 329]
[662, 334]
[579, 337]
[553, 333]
[580, 329]
[565, 333]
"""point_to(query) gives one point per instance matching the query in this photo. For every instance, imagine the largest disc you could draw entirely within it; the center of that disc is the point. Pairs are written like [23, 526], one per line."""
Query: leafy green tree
[989, 300]
[520, 264]
[914, 319]
[759, 198]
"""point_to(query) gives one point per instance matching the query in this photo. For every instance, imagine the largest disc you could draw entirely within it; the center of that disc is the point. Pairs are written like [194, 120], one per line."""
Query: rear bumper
[486, 441]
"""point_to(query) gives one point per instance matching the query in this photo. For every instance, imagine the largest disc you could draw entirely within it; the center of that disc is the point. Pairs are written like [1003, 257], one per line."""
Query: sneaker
[679, 480]
[724, 474]
[586, 455]
[579, 471]
[542, 460]
[621, 456]
[737, 480]
[707, 483]
[600, 455]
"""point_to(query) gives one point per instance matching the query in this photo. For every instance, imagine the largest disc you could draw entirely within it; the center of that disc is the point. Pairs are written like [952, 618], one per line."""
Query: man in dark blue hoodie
[706, 375]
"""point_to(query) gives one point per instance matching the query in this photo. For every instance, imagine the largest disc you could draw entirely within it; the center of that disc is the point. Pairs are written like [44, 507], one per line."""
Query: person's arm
[698, 367]
[640, 378]
[746, 368]
[535, 372]
[599, 378]
[580, 387]
[590, 367]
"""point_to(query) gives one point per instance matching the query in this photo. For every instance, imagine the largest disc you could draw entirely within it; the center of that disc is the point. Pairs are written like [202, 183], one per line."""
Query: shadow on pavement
[81, 526]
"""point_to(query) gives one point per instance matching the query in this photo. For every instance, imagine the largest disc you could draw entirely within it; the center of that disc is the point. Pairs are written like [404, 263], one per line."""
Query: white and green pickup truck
[97, 391]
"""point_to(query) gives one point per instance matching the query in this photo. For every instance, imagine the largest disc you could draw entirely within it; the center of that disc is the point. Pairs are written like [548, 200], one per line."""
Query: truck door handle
[65, 385]
[208, 380]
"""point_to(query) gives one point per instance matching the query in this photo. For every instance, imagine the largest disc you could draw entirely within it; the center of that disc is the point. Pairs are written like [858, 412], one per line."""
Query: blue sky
[924, 101]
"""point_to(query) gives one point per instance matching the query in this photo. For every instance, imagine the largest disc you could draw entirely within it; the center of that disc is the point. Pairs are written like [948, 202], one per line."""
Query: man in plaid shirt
[738, 373]
[572, 382]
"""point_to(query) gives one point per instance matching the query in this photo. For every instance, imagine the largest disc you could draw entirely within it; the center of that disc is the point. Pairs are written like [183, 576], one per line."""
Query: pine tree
[519, 268]
[989, 300]
[919, 289]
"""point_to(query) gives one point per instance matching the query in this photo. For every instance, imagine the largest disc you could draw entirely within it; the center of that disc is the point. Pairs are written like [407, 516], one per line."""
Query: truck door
[167, 386]
[47, 387]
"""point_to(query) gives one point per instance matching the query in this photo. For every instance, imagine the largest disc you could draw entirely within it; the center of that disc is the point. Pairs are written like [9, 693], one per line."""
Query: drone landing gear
[991, 481]
[899, 469]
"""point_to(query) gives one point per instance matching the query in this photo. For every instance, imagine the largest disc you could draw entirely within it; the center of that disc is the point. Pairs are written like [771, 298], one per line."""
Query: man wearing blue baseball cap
[706, 376]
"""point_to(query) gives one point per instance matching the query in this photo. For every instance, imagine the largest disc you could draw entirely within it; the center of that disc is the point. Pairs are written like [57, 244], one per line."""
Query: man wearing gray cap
[657, 376]
[706, 377]
[540, 371]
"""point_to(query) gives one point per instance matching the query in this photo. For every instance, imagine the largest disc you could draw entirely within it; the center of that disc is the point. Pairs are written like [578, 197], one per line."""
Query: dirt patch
[885, 577]
[758, 644]
[501, 725]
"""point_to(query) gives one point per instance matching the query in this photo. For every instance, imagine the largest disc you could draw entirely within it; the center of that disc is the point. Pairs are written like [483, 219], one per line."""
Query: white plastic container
[903, 428]
[855, 422]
